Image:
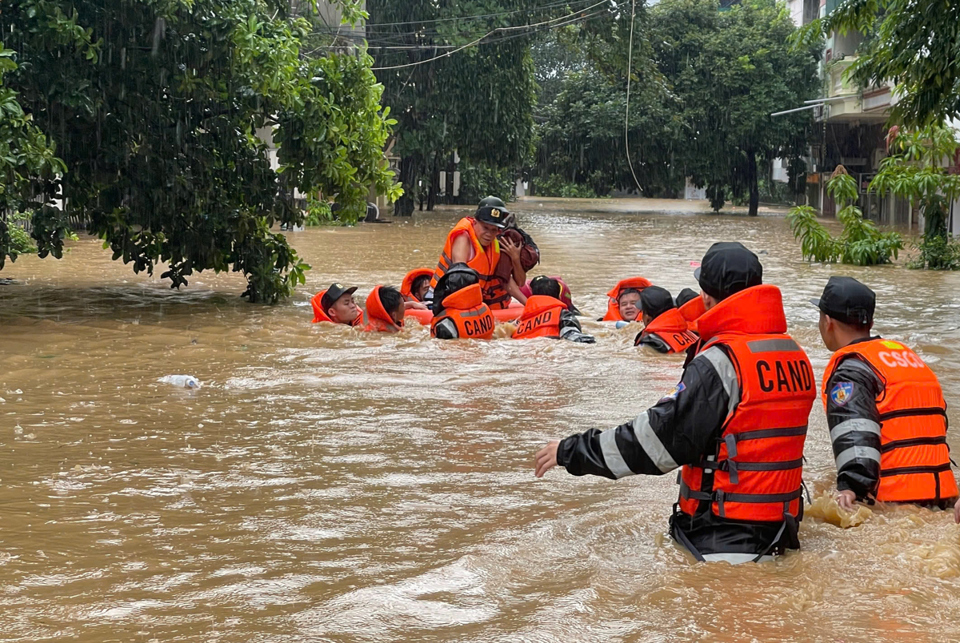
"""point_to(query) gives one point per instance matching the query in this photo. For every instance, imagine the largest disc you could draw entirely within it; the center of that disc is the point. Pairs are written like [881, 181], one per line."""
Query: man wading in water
[736, 423]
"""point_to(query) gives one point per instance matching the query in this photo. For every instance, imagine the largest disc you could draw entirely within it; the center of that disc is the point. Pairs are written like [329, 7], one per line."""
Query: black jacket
[652, 340]
[854, 423]
[570, 329]
[682, 428]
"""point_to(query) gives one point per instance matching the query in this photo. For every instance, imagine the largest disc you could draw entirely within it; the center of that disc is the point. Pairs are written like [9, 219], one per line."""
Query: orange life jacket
[484, 259]
[467, 310]
[540, 318]
[758, 462]
[691, 311]
[496, 295]
[406, 287]
[613, 307]
[914, 456]
[375, 317]
[320, 315]
[671, 328]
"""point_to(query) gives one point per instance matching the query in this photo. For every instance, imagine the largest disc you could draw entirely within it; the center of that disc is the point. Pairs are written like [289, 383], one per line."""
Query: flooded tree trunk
[753, 183]
[434, 183]
[409, 176]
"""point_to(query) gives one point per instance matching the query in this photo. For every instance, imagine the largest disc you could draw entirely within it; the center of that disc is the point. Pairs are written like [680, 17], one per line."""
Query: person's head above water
[457, 277]
[337, 302]
[545, 286]
[846, 311]
[392, 302]
[491, 218]
[629, 302]
[686, 295]
[726, 269]
[654, 301]
[420, 287]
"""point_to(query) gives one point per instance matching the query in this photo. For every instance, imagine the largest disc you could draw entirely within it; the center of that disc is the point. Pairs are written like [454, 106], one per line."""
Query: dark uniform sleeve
[570, 329]
[653, 341]
[854, 424]
[446, 329]
[682, 428]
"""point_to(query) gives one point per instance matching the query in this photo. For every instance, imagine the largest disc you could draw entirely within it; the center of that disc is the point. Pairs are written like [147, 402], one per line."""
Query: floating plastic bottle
[182, 381]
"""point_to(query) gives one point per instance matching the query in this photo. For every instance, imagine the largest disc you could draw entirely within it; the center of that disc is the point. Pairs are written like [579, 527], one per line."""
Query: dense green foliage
[912, 43]
[28, 170]
[156, 107]
[861, 243]
[704, 83]
[477, 101]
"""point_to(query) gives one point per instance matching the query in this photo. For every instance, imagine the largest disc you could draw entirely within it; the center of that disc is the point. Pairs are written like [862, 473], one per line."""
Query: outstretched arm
[677, 430]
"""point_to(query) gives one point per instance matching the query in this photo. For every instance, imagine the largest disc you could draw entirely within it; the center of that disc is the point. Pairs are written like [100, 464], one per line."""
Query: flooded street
[328, 485]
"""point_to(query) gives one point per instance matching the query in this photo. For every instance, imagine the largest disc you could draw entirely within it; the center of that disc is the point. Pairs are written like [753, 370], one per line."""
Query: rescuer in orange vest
[735, 422]
[473, 241]
[458, 308]
[885, 408]
[664, 328]
[384, 310]
[336, 305]
[546, 315]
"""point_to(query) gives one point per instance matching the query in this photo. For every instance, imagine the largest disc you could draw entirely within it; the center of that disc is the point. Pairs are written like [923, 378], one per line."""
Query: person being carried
[623, 302]
[335, 305]
[384, 310]
[458, 308]
[512, 264]
[735, 423]
[473, 241]
[546, 315]
[885, 409]
[664, 328]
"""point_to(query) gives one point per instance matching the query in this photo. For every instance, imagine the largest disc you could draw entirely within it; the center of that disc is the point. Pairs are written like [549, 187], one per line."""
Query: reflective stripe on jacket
[914, 456]
[540, 318]
[667, 333]
[484, 260]
[464, 315]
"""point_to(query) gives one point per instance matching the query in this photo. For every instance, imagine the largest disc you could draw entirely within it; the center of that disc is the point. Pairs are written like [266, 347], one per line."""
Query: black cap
[334, 292]
[655, 301]
[847, 300]
[727, 268]
[686, 295]
[493, 211]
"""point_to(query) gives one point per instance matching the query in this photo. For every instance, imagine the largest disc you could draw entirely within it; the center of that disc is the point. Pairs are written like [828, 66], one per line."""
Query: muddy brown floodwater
[326, 485]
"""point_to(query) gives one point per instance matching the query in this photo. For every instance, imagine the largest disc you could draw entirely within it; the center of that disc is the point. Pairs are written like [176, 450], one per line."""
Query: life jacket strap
[905, 413]
[722, 497]
[904, 471]
[733, 467]
[913, 442]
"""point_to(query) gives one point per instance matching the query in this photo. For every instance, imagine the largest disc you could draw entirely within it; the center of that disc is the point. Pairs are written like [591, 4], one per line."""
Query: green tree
[731, 70]
[28, 167]
[913, 43]
[457, 76]
[861, 243]
[156, 109]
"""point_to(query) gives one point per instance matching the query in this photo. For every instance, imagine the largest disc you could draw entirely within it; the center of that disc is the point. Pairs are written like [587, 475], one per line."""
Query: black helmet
[457, 277]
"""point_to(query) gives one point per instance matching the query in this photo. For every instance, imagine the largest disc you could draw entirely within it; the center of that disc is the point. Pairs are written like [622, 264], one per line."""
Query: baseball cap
[493, 211]
[655, 301]
[847, 300]
[335, 292]
[686, 295]
[727, 268]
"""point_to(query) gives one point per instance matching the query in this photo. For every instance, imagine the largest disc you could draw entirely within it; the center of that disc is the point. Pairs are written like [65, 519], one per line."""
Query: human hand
[956, 512]
[845, 499]
[511, 249]
[546, 458]
[415, 305]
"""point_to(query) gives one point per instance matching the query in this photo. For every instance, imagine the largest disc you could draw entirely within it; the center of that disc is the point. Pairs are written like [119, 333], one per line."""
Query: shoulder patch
[841, 393]
[677, 390]
[893, 345]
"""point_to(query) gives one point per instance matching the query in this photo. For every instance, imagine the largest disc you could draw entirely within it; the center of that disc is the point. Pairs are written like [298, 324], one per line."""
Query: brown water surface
[326, 485]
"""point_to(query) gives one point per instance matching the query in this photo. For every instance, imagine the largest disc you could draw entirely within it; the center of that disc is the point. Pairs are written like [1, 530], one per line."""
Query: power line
[552, 5]
[498, 30]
